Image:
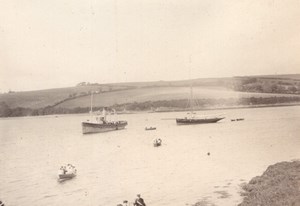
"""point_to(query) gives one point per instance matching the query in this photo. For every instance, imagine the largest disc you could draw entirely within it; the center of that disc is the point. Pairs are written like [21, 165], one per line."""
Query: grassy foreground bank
[279, 185]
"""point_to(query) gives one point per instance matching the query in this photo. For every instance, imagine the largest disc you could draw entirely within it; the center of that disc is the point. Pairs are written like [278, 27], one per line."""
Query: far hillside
[145, 94]
[288, 84]
[51, 97]
[281, 76]
[157, 95]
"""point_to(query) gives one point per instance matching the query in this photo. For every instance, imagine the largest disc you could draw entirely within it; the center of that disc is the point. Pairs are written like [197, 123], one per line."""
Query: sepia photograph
[150, 103]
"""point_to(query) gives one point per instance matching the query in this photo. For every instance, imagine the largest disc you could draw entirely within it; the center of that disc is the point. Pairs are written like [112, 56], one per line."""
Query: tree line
[7, 111]
[269, 85]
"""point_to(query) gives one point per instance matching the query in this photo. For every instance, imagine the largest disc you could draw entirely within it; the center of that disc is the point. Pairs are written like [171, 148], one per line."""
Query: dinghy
[157, 142]
[67, 172]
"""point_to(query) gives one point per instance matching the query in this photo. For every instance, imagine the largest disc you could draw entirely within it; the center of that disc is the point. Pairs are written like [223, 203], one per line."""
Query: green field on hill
[159, 94]
[211, 92]
[49, 97]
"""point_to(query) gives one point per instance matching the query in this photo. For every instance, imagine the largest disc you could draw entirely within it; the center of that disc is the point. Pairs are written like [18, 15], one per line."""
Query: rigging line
[116, 32]
[191, 85]
[91, 111]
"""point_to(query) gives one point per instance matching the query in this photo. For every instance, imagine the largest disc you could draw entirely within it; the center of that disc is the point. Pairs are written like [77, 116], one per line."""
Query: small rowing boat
[150, 128]
[157, 142]
[67, 172]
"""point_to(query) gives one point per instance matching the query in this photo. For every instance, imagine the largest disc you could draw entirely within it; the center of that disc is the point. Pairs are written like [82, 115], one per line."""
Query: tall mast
[116, 33]
[191, 87]
[91, 110]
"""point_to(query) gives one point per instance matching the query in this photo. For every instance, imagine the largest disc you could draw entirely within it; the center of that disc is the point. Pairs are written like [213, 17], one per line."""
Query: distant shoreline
[233, 107]
[161, 96]
[183, 110]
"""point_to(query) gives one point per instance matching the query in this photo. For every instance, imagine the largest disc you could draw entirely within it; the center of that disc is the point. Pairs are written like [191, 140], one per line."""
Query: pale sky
[59, 43]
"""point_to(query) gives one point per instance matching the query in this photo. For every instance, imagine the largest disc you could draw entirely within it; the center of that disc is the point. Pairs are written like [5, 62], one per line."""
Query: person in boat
[102, 119]
[63, 169]
[71, 166]
[139, 201]
[157, 141]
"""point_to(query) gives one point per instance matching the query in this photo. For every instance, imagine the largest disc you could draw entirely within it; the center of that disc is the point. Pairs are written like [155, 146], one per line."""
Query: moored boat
[100, 123]
[192, 118]
[198, 120]
[150, 128]
[102, 126]
[239, 119]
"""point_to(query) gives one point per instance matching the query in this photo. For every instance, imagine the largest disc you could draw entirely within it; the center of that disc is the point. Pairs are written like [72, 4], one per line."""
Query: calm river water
[115, 166]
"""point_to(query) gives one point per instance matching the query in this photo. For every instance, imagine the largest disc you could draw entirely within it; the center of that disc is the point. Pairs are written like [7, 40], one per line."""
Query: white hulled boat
[99, 122]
